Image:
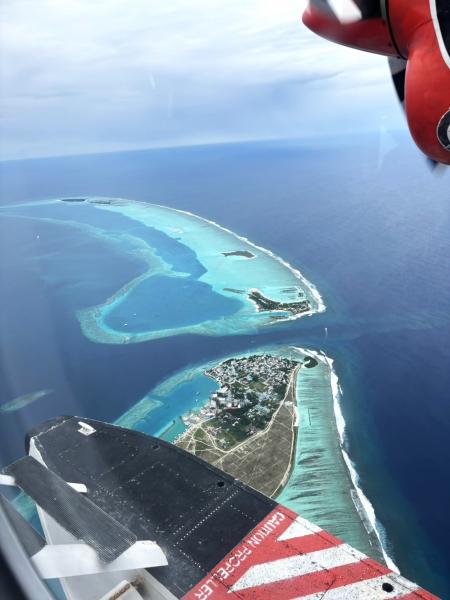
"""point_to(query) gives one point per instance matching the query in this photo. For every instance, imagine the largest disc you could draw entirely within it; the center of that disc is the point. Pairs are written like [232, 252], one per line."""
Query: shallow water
[319, 488]
[191, 284]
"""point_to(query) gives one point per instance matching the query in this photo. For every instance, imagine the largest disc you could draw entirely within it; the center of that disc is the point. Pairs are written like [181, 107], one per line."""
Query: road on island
[264, 460]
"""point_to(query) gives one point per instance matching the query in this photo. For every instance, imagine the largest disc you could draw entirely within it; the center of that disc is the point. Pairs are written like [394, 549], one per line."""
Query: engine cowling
[358, 24]
[417, 32]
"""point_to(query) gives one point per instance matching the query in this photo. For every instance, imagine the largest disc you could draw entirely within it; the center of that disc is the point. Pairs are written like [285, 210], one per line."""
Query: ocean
[370, 230]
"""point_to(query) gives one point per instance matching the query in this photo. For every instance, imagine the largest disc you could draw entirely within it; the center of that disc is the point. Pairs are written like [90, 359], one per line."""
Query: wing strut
[105, 545]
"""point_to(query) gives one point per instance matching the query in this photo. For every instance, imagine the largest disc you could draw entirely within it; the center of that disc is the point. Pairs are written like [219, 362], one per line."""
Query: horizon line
[203, 144]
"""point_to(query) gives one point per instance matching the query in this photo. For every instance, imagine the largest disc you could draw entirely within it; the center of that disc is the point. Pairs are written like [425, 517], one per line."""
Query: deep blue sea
[371, 231]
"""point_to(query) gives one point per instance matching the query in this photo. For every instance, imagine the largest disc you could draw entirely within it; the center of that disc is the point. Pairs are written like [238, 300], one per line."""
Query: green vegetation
[310, 362]
[266, 304]
[252, 388]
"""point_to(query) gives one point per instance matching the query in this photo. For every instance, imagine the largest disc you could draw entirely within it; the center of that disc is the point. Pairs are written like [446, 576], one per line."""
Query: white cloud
[86, 75]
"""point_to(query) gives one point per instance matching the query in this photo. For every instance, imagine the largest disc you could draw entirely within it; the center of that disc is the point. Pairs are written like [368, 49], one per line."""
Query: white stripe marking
[299, 528]
[367, 590]
[345, 10]
[9, 480]
[295, 566]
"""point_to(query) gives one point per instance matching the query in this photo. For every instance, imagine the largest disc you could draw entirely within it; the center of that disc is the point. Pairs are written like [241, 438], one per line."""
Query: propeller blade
[398, 73]
[346, 11]
[349, 11]
[436, 167]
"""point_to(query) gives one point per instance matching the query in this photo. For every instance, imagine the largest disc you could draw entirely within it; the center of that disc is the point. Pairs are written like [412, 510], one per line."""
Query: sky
[79, 76]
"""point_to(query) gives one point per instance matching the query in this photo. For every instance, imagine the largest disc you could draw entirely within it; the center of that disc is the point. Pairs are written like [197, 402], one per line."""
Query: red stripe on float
[261, 546]
[314, 583]
[293, 547]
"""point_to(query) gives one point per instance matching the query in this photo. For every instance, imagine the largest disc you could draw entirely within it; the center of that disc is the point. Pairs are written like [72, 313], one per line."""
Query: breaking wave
[362, 503]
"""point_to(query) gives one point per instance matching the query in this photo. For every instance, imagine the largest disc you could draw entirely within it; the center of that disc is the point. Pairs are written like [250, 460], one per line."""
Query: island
[247, 427]
[310, 362]
[266, 304]
[242, 253]
[272, 419]
[24, 400]
[99, 201]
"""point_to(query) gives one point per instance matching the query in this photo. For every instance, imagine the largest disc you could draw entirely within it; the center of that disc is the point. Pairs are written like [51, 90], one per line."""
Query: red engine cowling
[417, 31]
[351, 23]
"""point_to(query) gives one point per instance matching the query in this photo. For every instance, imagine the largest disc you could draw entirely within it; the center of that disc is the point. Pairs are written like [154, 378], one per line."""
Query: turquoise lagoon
[188, 283]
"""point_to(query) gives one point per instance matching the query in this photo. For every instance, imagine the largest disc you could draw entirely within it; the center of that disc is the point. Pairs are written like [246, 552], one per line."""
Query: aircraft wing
[222, 539]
